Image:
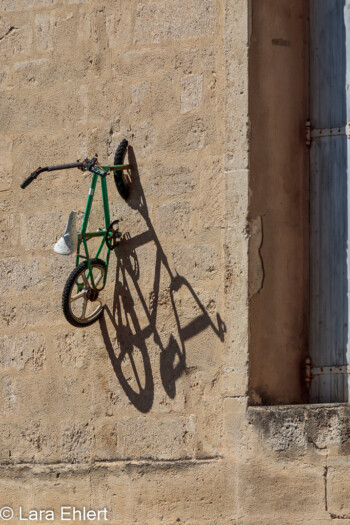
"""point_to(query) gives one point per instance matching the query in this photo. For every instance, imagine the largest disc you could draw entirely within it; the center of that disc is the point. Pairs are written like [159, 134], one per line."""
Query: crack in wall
[9, 31]
[257, 270]
[336, 517]
[325, 473]
[332, 515]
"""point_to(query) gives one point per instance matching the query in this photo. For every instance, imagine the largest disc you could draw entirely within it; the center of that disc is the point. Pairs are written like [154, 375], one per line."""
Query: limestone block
[282, 431]
[9, 232]
[236, 33]
[236, 200]
[41, 230]
[53, 488]
[106, 437]
[292, 430]
[161, 438]
[18, 351]
[6, 163]
[72, 350]
[33, 313]
[45, 25]
[270, 490]
[177, 218]
[150, 100]
[237, 136]
[44, 109]
[3, 74]
[139, 63]
[178, 492]
[196, 262]
[12, 485]
[37, 442]
[61, 266]
[77, 442]
[99, 100]
[8, 314]
[211, 190]
[195, 60]
[8, 5]
[27, 441]
[17, 36]
[188, 132]
[238, 440]
[166, 21]
[234, 381]
[119, 28]
[177, 180]
[29, 72]
[24, 4]
[48, 487]
[209, 434]
[337, 486]
[9, 396]
[144, 138]
[191, 92]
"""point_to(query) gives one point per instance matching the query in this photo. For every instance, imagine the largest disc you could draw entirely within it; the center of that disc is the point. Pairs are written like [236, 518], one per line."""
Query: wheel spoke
[78, 296]
[86, 282]
[98, 279]
[84, 308]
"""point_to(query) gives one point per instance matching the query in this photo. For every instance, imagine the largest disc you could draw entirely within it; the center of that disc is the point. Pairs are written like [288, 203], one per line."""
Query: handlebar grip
[65, 166]
[28, 180]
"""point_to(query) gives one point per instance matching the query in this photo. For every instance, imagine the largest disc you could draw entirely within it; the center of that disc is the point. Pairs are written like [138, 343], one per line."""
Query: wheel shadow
[125, 336]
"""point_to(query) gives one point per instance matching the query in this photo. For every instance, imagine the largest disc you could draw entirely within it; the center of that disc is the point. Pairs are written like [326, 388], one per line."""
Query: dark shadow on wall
[127, 330]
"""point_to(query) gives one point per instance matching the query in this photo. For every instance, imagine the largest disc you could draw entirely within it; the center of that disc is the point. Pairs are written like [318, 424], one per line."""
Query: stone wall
[128, 414]
[145, 413]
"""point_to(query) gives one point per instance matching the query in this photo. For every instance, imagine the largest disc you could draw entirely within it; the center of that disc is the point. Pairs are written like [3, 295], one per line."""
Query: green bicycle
[80, 300]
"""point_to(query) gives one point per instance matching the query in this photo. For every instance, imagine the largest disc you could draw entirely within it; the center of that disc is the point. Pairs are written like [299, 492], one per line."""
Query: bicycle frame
[83, 235]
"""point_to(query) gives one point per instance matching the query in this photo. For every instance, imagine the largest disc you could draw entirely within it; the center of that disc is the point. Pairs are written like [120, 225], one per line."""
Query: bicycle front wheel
[81, 301]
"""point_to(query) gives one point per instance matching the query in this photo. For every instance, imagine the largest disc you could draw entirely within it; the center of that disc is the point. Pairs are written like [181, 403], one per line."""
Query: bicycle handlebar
[65, 166]
[86, 165]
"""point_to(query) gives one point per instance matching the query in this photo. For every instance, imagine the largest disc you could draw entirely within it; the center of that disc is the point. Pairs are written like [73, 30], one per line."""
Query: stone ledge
[285, 427]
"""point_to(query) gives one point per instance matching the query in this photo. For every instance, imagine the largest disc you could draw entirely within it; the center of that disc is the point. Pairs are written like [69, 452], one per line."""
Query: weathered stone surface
[8, 314]
[16, 275]
[272, 490]
[145, 438]
[296, 428]
[166, 489]
[77, 443]
[6, 163]
[17, 351]
[9, 395]
[166, 20]
[145, 412]
[192, 91]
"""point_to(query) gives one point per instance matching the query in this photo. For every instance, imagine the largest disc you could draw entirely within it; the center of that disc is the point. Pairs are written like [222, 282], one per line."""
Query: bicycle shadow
[128, 333]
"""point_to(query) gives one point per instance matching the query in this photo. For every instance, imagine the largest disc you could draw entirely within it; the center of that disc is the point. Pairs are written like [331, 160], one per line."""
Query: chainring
[113, 235]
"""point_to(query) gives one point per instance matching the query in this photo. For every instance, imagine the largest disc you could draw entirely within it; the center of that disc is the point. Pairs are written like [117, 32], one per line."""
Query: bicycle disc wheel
[81, 302]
